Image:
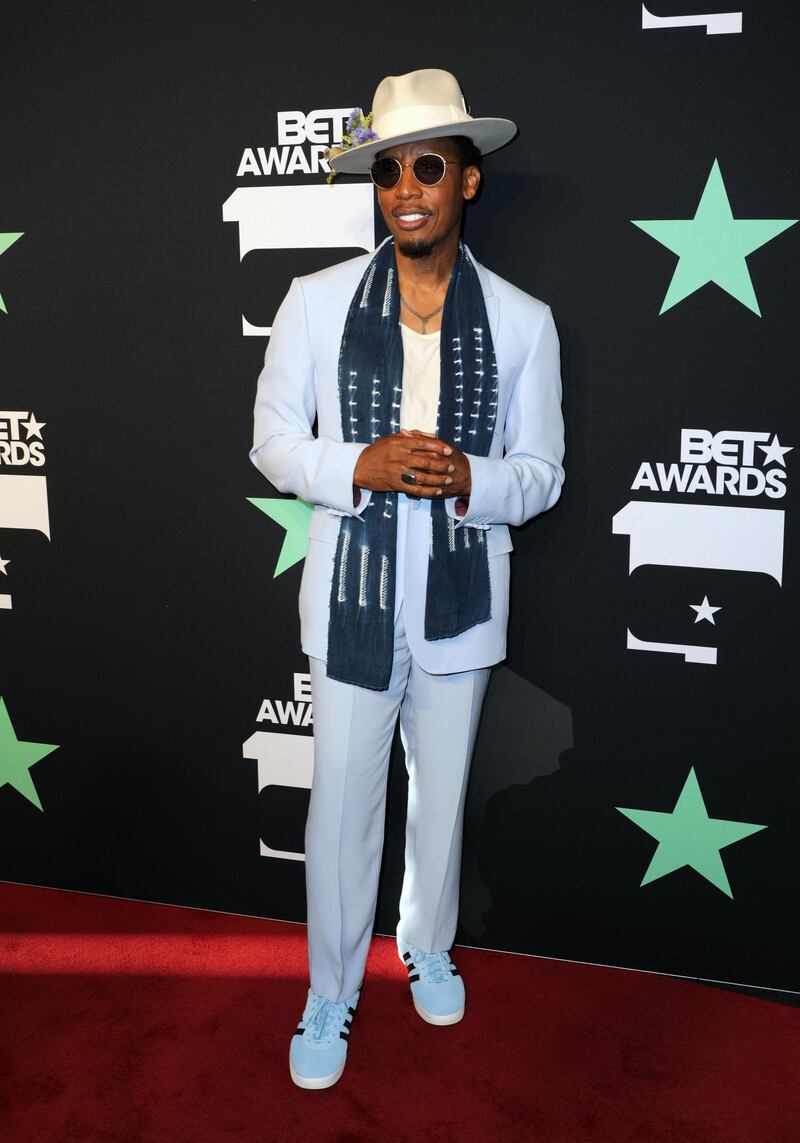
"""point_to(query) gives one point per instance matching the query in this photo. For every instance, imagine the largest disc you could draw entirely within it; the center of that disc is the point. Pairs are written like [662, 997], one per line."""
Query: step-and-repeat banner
[635, 791]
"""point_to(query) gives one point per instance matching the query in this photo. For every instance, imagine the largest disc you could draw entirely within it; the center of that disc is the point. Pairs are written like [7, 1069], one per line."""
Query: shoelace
[324, 1024]
[434, 968]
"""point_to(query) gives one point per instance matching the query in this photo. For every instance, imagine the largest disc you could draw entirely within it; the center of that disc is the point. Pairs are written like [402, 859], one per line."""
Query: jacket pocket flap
[324, 526]
[498, 540]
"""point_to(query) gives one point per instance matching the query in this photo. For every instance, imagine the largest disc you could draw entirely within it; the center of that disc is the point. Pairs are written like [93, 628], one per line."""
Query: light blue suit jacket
[521, 477]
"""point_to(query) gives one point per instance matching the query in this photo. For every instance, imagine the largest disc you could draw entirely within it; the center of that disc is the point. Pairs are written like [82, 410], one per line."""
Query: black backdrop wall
[165, 197]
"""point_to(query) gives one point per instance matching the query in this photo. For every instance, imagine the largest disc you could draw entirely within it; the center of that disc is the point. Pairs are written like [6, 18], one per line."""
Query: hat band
[419, 118]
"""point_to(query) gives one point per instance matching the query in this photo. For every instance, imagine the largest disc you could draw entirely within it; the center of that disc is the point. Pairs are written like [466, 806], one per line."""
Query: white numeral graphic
[715, 23]
[703, 536]
[301, 218]
[283, 760]
[23, 504]
[700, 536]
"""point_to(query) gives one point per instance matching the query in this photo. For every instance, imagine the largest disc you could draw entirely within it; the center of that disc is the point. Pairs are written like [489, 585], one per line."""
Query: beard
[415, 247]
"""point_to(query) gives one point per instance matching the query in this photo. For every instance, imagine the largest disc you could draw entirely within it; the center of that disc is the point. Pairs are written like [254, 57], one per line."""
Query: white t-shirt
[421, 369]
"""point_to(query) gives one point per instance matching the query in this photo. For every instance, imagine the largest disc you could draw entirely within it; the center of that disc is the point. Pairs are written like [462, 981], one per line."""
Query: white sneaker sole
[315, 1083]
[432, 1018]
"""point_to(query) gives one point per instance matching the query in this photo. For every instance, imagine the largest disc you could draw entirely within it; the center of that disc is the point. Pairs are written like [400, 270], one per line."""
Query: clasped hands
[439, 469]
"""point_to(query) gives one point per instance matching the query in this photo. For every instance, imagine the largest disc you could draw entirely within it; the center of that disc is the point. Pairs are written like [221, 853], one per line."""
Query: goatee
[416, 247]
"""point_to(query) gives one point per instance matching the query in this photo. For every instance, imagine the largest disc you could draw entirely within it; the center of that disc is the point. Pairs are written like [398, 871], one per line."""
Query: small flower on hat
[357, 132]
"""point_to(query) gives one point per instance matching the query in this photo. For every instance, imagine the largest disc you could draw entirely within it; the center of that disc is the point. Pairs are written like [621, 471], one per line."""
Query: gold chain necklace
[424, 318]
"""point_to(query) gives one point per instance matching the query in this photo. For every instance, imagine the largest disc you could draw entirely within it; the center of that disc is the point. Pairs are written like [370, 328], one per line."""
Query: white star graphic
[705, 611]
[3, 565]
[773, 452]
[33, 427]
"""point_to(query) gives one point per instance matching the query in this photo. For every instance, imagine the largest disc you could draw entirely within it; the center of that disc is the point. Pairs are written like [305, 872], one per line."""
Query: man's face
[420, 218]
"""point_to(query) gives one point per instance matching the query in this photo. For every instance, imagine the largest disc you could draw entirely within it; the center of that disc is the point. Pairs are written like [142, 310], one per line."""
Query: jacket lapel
[491, 300]
[493, 313]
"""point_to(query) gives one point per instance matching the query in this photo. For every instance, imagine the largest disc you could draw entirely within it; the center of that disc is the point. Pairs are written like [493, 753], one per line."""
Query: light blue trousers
[353, 730]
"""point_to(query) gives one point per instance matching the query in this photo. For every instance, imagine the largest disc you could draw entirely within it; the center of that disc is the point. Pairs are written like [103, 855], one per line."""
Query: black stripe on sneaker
[414, 976]
[411, 967]
[342, 1035]
[352, 1011]
[406, 957]
[455, 971]
[299, 1030]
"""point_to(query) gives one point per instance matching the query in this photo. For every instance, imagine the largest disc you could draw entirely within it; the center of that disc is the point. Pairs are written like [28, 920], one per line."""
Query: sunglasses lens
[429, 169]
[385, 173]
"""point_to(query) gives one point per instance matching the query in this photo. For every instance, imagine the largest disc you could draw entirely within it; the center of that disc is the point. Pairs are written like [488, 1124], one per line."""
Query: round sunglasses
[428, 170]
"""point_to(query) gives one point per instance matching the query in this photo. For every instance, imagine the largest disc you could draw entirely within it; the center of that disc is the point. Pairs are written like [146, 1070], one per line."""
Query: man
[436, 390]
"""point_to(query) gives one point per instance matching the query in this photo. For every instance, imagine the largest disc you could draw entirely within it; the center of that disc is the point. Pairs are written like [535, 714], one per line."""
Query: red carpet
[124, 1022]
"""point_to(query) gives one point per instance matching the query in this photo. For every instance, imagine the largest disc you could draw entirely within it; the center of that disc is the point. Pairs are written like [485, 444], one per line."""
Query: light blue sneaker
[318, 1051]
[436, 986]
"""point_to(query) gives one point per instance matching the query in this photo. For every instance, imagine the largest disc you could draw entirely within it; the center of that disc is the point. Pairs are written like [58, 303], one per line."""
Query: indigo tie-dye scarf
[361, 628]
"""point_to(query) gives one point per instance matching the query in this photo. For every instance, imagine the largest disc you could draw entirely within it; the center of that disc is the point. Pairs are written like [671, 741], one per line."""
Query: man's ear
[470, 182]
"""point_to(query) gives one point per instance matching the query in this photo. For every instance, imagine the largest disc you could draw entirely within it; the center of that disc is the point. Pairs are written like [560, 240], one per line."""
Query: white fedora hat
[423, 104]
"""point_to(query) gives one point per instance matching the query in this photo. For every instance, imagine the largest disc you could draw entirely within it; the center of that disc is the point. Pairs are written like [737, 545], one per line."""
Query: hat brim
[487, 135]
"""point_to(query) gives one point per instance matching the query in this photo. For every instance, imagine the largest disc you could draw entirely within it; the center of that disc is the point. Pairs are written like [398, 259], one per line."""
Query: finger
[431, 480]
[427, 463]
[431, 493]
[425, 440]
[430, 444]
[422, 458]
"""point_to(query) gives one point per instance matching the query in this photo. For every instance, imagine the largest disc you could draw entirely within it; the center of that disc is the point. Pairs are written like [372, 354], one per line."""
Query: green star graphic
[294, 516]
[688, 836]
[16, 758]
[7, 240]
[713, 246]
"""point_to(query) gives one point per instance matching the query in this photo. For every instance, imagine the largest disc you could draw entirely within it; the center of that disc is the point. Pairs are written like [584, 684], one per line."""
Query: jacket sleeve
[527, 479]
[318, 469]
